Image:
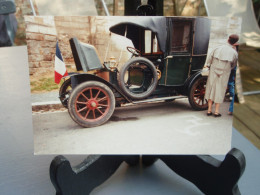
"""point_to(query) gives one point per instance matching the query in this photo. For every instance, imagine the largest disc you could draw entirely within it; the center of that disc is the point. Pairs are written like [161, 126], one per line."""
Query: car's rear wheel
[197, 94]
[138, 78]
[91, 104]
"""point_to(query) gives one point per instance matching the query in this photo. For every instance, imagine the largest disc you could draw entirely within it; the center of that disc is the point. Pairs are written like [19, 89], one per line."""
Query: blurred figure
[8, 27]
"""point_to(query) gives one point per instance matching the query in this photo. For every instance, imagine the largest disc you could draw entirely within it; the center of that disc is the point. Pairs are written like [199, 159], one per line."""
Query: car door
[178, 61]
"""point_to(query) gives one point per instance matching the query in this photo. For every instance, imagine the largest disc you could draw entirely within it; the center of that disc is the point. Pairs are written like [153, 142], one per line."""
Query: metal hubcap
[92, 104]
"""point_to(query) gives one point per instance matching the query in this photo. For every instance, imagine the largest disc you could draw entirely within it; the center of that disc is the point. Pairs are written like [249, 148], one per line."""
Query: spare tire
[138, 78]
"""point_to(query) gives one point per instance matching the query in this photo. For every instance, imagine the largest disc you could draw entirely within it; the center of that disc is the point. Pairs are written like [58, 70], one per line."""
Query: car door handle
[168, 57]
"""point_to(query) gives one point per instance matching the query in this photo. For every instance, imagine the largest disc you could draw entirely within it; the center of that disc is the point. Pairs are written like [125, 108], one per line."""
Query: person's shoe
[230, 113]
[217, 115]
[209, 113]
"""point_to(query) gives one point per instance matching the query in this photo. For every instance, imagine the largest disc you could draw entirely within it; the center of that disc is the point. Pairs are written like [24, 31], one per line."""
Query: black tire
[197, 93]
[150, 68]
[91, 104]
[64, 92]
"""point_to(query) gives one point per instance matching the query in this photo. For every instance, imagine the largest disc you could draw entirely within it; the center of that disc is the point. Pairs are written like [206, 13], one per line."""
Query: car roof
[130, 25]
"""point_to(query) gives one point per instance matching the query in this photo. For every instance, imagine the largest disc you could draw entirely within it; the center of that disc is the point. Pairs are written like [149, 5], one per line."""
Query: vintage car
[167, 58]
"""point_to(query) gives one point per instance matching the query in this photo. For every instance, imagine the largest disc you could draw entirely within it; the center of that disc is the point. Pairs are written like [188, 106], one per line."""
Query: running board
[157, 99]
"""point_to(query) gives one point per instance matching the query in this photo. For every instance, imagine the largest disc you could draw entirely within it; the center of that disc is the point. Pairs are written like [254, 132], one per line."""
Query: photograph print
[133, 85]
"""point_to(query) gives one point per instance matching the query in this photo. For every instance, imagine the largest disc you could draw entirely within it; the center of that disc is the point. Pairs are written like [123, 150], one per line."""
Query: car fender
[190, 81]
[76, 79]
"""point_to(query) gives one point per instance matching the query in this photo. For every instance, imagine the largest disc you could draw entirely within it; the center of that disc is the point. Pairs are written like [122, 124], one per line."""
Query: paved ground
[158, 128]
[45, 97]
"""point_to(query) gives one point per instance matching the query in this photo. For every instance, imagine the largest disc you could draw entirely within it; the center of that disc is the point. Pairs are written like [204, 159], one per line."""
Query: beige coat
[221, 60]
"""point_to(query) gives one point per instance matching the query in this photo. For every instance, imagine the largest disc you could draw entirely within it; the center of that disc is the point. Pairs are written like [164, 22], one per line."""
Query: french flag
[60, 68]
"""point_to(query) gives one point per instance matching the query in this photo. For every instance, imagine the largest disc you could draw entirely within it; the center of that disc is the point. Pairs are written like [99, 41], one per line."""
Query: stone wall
[68, 27]
[41, 39]
[43, 32]
[93, 30]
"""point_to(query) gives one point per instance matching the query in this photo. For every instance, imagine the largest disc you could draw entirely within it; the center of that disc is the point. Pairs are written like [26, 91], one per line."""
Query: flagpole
[33, 10]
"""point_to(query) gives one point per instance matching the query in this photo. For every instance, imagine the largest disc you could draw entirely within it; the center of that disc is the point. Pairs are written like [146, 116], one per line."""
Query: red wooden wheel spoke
[97, 94]
[84, 96]
[104, 98]
[100, 111]
[94, 116]
[197, 93]
[78, 102]
[91, 95]
[105, 105]
[87, 114]
[84, 108]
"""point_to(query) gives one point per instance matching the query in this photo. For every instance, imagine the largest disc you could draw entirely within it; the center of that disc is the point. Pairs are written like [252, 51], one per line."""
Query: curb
[46, 106]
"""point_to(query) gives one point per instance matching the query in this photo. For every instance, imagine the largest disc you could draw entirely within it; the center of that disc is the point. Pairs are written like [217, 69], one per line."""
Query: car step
[156, 100]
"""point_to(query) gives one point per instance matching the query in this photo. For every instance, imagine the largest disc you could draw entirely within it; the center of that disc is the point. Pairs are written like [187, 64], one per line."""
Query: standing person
[231, 85]
[231, 89]
[221, 60]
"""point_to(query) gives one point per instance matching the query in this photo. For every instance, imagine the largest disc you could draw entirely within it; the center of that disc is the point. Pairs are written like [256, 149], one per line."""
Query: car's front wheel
[91, 104]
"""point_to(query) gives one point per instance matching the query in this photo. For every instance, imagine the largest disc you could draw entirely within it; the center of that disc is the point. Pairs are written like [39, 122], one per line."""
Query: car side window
[181, 36]
[151, 45]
